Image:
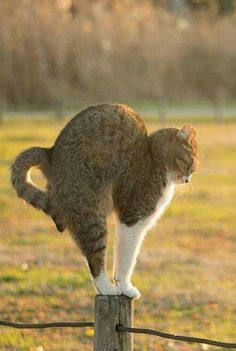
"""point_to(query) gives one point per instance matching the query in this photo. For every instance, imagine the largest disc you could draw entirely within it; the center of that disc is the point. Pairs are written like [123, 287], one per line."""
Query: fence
[217, 111]
[113, 326]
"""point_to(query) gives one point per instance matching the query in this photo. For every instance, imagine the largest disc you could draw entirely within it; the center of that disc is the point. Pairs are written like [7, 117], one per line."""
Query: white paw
[130, 291]
[110, 290]
[104, 285]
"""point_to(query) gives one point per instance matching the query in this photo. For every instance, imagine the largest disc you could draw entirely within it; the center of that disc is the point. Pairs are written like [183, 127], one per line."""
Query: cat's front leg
[128, 242]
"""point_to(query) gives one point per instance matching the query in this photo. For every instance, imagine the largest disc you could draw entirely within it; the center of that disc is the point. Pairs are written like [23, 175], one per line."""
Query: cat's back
[100, 136]
[104, 127]
[104, 121]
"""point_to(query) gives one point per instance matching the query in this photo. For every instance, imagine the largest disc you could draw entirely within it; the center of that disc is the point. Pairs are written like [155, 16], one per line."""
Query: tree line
[130, 50]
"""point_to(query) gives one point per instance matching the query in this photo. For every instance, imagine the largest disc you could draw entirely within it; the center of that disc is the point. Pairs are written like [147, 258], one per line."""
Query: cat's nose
[186, 179]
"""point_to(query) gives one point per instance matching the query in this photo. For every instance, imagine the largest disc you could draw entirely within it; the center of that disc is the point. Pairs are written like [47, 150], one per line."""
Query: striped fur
[20, 176]
[104, 160]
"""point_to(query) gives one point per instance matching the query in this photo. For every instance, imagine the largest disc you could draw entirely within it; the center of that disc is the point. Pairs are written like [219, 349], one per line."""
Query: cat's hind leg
[91, 235]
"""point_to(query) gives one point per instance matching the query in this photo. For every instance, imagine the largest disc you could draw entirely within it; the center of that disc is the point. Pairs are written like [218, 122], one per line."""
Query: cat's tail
[20, 176]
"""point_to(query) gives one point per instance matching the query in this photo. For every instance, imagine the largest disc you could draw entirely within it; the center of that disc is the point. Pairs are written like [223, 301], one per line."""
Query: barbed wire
[119, 328]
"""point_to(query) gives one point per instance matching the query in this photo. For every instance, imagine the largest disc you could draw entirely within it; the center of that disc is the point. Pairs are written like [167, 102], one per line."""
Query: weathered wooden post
[110, 311]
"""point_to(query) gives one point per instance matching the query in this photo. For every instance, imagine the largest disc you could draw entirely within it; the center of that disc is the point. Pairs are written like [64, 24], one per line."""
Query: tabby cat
[104, 160]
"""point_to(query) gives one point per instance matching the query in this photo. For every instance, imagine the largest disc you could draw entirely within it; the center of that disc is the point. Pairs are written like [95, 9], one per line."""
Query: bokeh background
[175, 63]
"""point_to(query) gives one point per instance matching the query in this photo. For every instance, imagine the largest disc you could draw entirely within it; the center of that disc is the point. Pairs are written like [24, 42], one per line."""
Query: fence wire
[192, 339]
[47, 325]
[120, 329]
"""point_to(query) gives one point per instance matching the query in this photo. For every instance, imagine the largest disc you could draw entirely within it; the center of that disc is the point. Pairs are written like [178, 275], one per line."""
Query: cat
[104, 160]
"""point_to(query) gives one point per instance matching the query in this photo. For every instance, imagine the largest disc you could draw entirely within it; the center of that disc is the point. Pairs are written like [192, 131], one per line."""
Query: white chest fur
[162, 203]
[129, 240]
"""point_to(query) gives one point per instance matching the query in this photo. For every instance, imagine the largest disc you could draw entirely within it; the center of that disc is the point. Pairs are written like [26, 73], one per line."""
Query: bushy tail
[20, 176]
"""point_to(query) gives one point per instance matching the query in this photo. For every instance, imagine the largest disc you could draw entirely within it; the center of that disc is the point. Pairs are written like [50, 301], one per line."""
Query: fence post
[110, 311]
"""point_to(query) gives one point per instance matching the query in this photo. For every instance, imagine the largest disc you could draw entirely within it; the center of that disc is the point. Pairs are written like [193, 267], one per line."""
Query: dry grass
[186, 270]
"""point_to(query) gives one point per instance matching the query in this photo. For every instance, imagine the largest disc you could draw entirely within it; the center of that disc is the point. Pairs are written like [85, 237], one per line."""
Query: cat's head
[185, 155]
[179, 151]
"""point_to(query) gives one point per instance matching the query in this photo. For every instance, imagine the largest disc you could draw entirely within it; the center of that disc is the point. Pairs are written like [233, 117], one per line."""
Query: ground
[186, 270]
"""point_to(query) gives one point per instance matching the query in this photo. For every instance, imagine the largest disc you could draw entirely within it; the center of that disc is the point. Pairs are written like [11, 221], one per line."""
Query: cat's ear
[186, 132]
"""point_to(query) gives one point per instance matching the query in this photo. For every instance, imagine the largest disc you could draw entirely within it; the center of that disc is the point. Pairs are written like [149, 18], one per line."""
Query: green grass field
[186, 270]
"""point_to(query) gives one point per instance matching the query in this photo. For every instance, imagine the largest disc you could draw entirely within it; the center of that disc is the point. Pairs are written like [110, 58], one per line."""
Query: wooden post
[110, 311]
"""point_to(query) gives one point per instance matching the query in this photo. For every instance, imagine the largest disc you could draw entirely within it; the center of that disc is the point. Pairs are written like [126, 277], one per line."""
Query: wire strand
[121, 328]
[46, 325]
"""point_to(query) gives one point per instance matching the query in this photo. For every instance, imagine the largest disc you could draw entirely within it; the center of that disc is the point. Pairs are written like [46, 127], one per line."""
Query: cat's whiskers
[183, 186]
[202, 156]
[188, 188]
[179, 193]
[176, 195]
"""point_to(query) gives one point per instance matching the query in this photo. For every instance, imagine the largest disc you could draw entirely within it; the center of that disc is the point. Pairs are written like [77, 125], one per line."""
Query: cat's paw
[110, 290]
[130, 291]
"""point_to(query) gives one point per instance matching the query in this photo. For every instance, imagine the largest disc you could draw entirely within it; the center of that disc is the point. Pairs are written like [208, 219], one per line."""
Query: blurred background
[175, 62]
[168, 57]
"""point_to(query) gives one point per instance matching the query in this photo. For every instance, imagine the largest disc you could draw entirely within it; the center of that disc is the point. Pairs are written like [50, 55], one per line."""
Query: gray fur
[102, 160]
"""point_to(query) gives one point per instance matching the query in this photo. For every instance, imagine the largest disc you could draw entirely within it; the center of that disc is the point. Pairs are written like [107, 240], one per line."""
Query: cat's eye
[191, 169]
[182, 165]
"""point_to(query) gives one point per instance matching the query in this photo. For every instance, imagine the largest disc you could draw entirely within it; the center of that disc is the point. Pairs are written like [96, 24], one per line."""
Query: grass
[186, 270]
